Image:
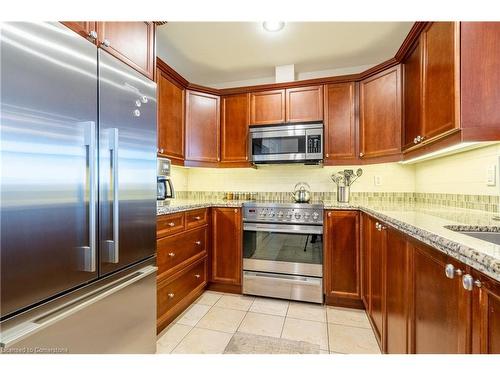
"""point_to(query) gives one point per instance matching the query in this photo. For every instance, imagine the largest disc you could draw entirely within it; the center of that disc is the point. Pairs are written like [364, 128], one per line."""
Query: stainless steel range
[283, 250]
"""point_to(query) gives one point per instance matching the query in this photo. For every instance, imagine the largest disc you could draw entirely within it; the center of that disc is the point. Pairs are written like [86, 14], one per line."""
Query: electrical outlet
[377, 180]
[491, 175]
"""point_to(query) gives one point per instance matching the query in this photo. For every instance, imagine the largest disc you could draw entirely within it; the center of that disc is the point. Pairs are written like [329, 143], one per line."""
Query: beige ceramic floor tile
[352, 340]
[324, 352]
[236, 302]
[209, 298]
[307, 311]
[270, 306]
[306, 330]
[225, 320]
[262, 324]
[203, 341]
[171, 337]
[193, 315]
[349, 317]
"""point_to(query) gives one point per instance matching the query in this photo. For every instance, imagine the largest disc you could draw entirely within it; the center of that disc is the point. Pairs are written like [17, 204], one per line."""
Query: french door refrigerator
[78, 196]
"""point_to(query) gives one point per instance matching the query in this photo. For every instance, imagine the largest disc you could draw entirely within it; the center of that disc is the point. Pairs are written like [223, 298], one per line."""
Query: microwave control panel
[314, 144]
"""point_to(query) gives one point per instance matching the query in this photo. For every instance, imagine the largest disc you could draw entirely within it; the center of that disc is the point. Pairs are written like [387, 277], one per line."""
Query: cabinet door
[83, 28]
[304, 104]
[380, 114]
[170, 118]
[366, 227]
[340, 123]
[397, 297]
[485, 315]
[234, 128]
[226, 246]
[341, 258]
[267, 107]
[377, 292]
[412, 96]
[202, 127]
[440, 78]
[131, 42]
[441, 305]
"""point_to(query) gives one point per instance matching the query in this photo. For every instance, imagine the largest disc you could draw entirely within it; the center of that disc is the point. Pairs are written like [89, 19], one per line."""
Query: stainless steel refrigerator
[78, 196]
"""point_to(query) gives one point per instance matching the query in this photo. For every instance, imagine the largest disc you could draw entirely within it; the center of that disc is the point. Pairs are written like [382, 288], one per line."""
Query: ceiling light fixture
[273, 26]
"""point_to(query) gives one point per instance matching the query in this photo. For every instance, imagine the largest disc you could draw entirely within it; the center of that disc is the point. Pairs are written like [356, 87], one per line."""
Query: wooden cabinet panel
[202, 127]
[196, 218]
[226, 254]
[440, 78]
[480, 74]
[365, 260]
[83, 28]
[170, 224]
[131, 42]
[170, 118]
[412, 88]
[234, 128]
[267, 107]
[377, 292]
[304, 104]
[380, 114]
[341, 258]
[397, 296]
[485, 315]
[441, 305]
[340, 122]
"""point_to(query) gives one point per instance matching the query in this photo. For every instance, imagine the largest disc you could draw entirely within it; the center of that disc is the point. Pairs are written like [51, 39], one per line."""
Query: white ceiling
[217, 53]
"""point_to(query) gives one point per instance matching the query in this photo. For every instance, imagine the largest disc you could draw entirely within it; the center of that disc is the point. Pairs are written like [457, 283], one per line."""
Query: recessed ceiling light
[273, 25]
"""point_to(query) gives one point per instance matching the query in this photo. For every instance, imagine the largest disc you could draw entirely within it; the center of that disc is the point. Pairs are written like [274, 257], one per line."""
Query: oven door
[283, 248]
[278, 145]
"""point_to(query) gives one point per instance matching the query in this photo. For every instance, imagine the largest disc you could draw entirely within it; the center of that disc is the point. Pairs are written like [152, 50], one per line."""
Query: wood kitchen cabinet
[202, 128]
[226, 254]
[87, 29]
[412, 97]
[267, 107]
[131, 42]
[341, 258]
[365, 229]
[380, 114]
[304, 104]
[171, 97]
[235, 117]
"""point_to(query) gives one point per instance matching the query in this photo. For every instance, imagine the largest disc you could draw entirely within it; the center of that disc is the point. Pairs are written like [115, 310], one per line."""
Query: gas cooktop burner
[267, 212]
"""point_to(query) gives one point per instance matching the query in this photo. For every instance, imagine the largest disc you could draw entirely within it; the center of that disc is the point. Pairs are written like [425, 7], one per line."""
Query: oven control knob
[270, 214]
[289, 215]
[307, 215]
[262, 214]
[280, 214]
[315, 216]
[297, 215]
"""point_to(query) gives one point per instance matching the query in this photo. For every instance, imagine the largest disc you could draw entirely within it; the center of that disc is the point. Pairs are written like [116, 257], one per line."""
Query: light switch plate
[377, 180]
[491, 175]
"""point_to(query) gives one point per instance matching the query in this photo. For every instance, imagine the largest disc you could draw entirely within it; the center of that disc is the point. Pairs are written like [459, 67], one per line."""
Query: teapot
[301, 192]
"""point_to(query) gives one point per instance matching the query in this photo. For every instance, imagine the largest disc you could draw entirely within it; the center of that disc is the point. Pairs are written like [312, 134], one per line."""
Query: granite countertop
[429, 224]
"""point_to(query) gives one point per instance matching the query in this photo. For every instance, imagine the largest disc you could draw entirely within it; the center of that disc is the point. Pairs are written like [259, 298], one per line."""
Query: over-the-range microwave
[297, 143]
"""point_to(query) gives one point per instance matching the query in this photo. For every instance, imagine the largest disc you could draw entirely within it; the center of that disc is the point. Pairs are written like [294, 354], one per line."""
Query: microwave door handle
[171, 189]
[112, 246]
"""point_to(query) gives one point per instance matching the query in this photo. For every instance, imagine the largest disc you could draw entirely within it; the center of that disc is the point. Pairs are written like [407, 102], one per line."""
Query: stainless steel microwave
[298, 143]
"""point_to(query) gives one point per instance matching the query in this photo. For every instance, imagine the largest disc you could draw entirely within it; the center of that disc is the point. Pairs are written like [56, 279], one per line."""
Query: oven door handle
[284, 228]
[286, 278]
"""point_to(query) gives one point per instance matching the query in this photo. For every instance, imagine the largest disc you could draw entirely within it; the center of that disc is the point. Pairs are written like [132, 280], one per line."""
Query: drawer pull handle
[197, 218]
[197, 276]
[171, 255]
[171, 295]
[198, 243]
[171, 224]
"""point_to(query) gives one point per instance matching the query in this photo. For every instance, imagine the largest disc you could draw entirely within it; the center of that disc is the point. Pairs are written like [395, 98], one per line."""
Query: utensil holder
[343, 194]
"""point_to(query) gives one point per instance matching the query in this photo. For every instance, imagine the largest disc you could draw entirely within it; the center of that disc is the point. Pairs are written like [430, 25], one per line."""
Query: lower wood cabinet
[341, 258]
[226, 255]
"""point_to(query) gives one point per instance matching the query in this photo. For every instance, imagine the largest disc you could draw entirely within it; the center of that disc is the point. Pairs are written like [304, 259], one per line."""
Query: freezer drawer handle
[112, 246]
[26, 329]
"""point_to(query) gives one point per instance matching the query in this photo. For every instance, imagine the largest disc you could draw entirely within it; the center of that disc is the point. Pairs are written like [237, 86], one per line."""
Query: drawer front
[172, 251]
[170, 224]
[196, 218]
[172, 291]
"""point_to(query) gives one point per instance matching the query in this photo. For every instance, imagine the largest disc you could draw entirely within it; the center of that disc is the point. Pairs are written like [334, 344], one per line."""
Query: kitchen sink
[493, 237]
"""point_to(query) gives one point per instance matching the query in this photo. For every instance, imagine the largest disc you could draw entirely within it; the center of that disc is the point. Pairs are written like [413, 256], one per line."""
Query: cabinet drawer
[169, 224]
[196, 218]
[174, 251]
[173, 290]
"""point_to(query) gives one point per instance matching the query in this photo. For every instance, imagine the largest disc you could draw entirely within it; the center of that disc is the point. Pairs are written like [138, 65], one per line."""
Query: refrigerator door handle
[112, 246]
[24, 330]
[87, 258]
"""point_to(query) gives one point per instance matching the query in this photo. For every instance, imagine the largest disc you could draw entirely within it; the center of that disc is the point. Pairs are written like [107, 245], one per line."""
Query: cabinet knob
[197, 218]
[450, 271]
[361, 154]
[106, 42]
[170, 295]
[171, 255]
[171, 224]
[197, 243]
[329, 214]
[197, 276]
[415, 140]
[327, 155]
[235, 210]
[469, 283]
[92, 34]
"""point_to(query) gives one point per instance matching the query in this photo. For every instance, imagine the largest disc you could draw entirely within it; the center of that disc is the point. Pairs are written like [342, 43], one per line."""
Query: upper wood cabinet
[340, 122]
[131, 42]
[380, 114]
[226, 256]
[87, 29]
[170, 96]
[267, 107]
[304, 104]
[412, 97]
[235, 117]
[341, 258]
[202, 127]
